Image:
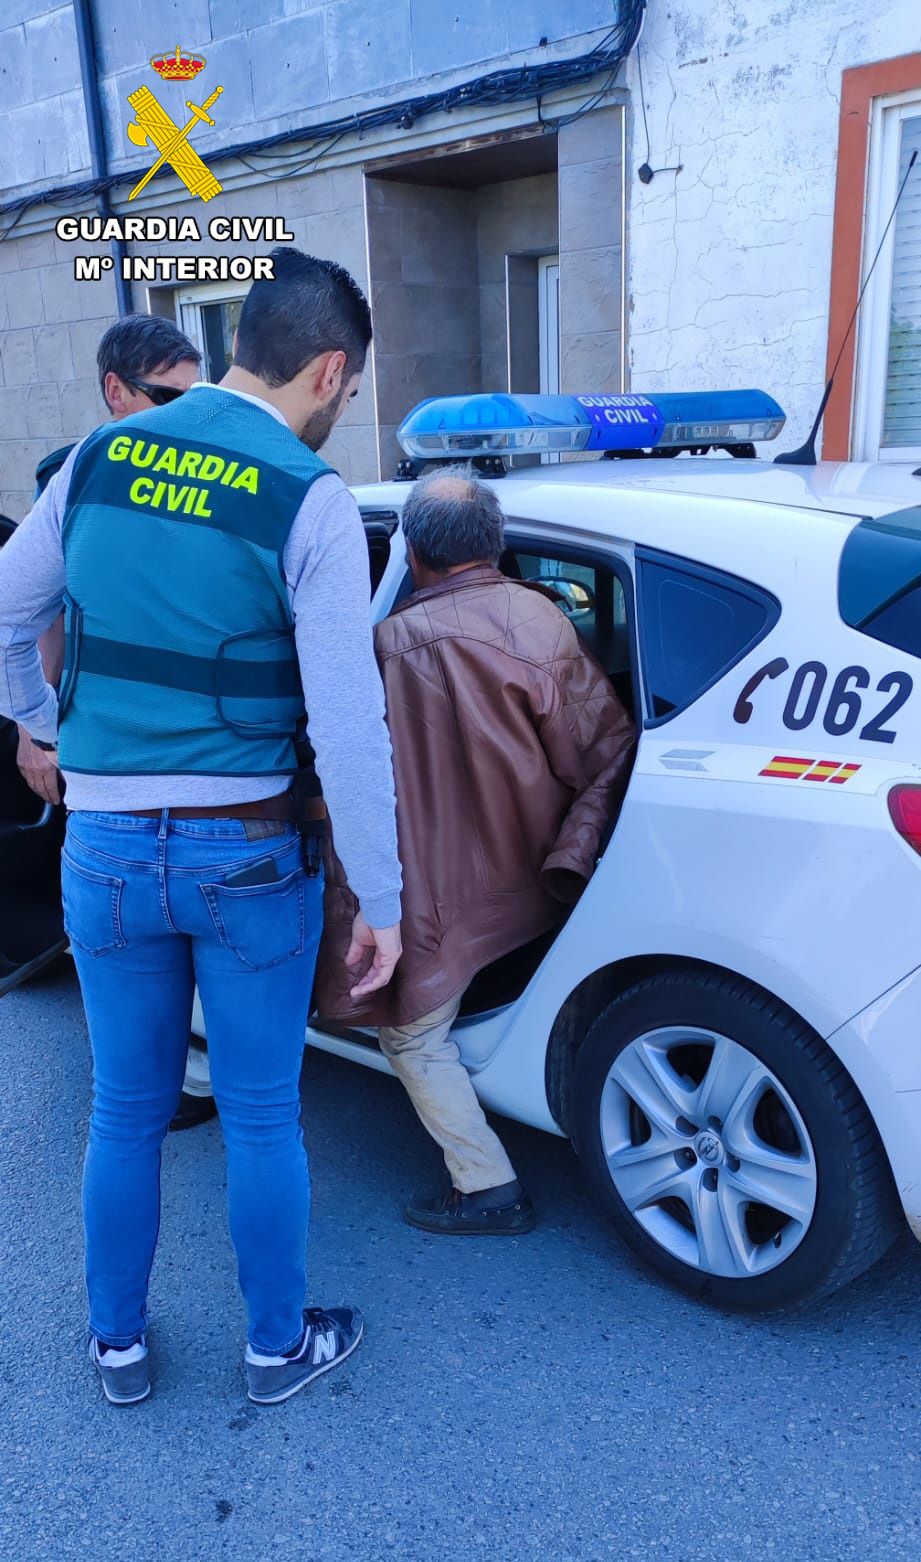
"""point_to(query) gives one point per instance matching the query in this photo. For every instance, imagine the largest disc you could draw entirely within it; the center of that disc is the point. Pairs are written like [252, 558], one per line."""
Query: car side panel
[730, 875]
[871, 1046]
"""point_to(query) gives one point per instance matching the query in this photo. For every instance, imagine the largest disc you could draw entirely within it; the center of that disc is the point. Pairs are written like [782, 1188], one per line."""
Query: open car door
[31, 835]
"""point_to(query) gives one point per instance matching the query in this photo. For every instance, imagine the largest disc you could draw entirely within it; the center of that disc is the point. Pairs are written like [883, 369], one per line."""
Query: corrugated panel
[902, 414]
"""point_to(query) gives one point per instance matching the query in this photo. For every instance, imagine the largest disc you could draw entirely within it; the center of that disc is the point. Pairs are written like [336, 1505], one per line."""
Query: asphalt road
[533, 1398]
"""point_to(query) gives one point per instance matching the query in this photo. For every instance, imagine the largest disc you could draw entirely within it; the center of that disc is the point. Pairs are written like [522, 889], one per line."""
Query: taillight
[905, 809]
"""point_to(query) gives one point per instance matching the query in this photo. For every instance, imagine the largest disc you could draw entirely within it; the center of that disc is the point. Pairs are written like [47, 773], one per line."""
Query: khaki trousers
[427, 1061]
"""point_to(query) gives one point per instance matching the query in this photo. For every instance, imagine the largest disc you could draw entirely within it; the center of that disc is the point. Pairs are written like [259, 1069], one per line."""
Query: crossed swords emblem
[152, 123]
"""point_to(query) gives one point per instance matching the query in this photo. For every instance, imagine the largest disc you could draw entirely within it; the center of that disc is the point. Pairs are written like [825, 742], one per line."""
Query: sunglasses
[158, 394]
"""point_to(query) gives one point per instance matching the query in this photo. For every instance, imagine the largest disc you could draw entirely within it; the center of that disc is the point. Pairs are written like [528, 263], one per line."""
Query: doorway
[548, 325]
[454, 243]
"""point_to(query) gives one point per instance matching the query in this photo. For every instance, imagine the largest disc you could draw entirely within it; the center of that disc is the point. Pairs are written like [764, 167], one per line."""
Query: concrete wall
[281, 63]
[516, 217]
[422, 242]
[49, 330]
[729, 260]
[50, 325]
[438, 286]
[591, 252]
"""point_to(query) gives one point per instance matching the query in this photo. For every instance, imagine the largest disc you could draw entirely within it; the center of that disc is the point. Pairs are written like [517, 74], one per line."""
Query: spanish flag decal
[844, 774]
[795, 769]
[783, 765]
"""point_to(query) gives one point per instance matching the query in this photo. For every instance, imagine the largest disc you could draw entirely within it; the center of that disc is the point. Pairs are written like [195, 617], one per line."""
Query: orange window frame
[859, 87]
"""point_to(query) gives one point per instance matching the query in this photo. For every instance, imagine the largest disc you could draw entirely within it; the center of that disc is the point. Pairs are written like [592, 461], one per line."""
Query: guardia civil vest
[180, 654]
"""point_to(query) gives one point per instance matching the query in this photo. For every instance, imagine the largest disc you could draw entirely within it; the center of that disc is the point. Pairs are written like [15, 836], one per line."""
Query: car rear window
[879, 583]
[695, 624]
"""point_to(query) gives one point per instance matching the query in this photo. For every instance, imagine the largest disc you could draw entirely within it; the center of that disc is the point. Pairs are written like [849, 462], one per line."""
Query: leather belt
[281, 807]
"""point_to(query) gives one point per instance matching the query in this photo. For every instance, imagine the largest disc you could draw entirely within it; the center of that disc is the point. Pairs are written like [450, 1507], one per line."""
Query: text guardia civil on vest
[201, 466]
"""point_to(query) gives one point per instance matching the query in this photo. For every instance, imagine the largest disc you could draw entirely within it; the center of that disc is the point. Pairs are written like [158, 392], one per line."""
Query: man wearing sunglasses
[143, 361]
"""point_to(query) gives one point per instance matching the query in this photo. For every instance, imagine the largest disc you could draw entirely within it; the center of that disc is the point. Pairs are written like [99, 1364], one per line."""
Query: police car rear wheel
[729, 1145]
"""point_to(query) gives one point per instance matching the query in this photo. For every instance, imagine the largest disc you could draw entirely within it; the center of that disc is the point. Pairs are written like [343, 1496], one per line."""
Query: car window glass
[694, 625]
[879, 582]
[598, 612]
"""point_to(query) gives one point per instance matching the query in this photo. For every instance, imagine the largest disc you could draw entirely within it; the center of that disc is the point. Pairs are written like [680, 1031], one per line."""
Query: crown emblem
[178, 66]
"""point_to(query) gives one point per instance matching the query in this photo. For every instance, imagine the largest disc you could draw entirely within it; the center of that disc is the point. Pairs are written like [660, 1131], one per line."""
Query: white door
[548, 296]
[548, 328]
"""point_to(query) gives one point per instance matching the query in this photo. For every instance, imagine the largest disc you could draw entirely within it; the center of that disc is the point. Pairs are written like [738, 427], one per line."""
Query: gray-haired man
[511, 755]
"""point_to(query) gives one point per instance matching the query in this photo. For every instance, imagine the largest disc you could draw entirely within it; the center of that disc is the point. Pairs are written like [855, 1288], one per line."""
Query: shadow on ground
[513, 1399]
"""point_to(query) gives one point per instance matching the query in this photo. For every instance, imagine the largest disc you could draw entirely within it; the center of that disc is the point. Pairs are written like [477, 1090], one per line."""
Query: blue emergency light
[504, 425]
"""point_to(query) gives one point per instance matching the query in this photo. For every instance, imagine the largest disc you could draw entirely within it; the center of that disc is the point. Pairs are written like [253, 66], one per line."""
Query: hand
[39, 769]
[387, 946]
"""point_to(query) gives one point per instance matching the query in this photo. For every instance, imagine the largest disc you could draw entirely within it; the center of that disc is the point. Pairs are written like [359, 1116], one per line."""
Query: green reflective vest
[180, 653]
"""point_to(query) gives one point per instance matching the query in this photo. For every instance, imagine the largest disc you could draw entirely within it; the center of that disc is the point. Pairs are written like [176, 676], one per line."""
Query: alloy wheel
[707, 1150]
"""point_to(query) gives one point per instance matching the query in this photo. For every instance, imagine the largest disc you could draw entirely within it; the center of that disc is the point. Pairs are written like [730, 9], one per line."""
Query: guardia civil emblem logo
[152, 124]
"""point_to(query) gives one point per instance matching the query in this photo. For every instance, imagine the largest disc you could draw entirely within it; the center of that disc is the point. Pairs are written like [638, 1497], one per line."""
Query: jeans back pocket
[262, 924]
[92, 907]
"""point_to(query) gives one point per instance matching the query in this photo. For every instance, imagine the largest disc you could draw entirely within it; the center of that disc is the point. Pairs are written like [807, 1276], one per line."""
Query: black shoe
[191, 1111]
[494, 1212]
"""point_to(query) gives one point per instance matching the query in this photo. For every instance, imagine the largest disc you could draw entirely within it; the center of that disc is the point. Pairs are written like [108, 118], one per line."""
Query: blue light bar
[502, 425]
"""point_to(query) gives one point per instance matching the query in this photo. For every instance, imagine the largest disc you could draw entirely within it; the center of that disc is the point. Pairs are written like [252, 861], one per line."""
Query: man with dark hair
[216, 578]
[511, 756]
[309, 306]
[143, 361]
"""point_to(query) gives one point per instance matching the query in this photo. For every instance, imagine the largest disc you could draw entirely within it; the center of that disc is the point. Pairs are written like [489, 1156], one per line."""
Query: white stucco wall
[729, 260]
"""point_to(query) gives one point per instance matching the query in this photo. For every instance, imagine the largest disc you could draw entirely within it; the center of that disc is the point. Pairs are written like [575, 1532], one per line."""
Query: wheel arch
[593, 994]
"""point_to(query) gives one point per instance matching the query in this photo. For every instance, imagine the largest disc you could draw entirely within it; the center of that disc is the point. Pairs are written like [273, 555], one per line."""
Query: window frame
[887, 116]
[716, 577]
[548, 335]
[519, 537]
[189, 306]
[860, 85]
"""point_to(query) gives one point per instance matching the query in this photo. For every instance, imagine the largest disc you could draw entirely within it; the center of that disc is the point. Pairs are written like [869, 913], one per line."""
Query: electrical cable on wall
[495, 89]
[646, 173]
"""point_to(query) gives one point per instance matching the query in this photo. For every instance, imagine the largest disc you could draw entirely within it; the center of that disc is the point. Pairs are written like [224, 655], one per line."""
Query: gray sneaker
[125, 1374]
[329, 1336]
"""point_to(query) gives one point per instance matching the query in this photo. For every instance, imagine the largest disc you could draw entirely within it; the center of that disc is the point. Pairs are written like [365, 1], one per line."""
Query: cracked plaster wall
[729, 260]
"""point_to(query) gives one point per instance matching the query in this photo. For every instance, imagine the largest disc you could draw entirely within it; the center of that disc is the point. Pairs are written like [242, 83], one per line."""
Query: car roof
[833, 488]
[766, 523]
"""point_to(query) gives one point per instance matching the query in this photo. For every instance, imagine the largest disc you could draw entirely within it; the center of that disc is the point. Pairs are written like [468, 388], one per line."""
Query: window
[589, 591]
[210, 317]
[887, 412]
[592, 596]
[879, 584]
[695, 624]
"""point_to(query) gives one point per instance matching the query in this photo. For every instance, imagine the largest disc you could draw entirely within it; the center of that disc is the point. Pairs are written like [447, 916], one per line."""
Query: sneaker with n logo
[329, 1337]
[124, 1371]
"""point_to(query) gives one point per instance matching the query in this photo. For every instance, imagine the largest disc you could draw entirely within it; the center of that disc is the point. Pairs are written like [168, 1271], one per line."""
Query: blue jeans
[149, 914]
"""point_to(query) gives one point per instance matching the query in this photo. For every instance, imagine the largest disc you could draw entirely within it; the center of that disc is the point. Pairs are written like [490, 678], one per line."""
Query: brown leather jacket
[511, 755]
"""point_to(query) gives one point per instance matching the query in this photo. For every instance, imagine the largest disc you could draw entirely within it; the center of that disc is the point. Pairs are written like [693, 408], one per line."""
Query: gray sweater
[326, 571]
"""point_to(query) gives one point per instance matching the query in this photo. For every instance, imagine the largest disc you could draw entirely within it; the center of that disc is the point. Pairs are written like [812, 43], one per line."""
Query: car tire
[829, 1152]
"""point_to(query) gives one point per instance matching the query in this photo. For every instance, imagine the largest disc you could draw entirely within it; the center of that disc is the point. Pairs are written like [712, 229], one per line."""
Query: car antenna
[805, 454]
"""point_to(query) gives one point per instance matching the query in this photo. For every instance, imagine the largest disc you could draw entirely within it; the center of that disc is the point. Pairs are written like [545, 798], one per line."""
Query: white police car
[729, 1025]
